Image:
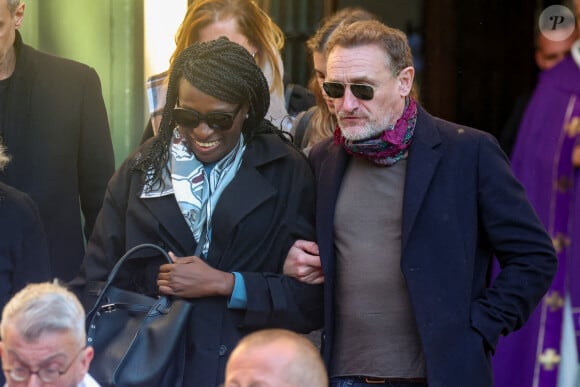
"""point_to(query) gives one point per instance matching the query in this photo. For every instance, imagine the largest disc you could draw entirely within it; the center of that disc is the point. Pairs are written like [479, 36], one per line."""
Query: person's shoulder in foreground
[275, 358]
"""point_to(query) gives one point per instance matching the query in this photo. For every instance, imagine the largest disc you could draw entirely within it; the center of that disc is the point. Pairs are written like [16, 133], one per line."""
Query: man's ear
[87, 358]
[19, 15]
[405, 80]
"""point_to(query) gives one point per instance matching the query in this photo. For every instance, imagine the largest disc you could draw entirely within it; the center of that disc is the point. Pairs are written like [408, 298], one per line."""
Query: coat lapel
[424, 156]
[329, 175]
[242, 196]
[245, 192]
[173, 230]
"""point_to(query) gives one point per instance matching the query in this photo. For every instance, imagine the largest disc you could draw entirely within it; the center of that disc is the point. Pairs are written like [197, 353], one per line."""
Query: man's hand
[303, 263]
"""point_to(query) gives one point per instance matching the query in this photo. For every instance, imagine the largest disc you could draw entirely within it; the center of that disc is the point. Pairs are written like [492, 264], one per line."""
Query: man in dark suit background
[55, 128]
[410, 211]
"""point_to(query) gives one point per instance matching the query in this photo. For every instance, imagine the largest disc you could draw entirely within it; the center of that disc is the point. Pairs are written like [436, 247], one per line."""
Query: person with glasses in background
[219, 176]
[44, 340]
[411, 210]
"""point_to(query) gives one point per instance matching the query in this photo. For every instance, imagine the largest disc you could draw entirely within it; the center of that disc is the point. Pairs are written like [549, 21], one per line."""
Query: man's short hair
[12, 5]
[393, 41]
[306, 369]
[44, 308]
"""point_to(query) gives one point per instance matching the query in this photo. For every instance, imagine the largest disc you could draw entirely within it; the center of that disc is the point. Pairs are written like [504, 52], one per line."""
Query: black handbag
[138, 340]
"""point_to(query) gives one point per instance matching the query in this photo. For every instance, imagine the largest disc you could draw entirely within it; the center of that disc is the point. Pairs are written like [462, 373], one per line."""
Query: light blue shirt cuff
[239, 298]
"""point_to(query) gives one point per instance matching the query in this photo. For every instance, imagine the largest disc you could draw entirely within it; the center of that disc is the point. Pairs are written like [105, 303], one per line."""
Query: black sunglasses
[359, 90]
[190, 119]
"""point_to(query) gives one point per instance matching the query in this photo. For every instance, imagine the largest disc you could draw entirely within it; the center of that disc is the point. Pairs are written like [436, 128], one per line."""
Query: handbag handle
[142, 246]
[120, 263]
[128, 255]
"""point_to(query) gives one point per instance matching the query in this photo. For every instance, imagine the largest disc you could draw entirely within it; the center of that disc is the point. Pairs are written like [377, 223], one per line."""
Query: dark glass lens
[190, 119]
[364, 92]
[220, 120]
[359, 90]
[186, 118]
[333, 89]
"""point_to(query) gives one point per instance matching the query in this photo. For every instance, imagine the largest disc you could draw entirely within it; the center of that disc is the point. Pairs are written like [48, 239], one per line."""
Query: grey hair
[45, 307]
[12, 5]
[4, 157]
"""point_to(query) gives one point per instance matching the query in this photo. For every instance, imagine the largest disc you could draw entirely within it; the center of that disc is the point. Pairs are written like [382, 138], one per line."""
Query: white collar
[575, 50]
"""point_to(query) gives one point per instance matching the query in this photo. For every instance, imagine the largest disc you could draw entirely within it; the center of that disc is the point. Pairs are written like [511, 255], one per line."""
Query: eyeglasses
[47, 375]
[190, 119]
[359, 90]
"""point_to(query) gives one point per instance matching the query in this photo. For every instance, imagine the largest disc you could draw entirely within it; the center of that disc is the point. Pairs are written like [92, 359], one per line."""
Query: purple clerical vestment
[542, 160]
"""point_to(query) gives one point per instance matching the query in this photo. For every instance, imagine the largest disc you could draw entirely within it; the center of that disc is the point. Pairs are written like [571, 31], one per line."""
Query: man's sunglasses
[359, 90]
[190, 119]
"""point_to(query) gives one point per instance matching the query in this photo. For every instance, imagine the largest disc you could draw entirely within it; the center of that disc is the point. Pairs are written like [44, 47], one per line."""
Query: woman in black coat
[23, 250]
[221, 177]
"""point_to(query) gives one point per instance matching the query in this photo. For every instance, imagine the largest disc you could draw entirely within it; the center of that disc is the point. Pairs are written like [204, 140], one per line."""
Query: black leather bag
[138, 340]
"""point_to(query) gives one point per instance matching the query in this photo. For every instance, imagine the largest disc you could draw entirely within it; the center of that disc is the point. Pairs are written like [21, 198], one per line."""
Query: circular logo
[557, 23]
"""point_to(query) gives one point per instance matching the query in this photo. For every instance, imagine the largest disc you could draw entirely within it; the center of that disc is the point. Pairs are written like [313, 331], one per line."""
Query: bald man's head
[275, 357]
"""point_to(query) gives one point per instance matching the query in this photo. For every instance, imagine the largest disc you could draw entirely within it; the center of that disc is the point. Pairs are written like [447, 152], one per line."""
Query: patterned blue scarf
[197, 186]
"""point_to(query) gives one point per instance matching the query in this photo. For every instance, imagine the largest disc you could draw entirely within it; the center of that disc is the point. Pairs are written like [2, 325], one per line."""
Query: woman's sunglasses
[359, 90]
[190, 119]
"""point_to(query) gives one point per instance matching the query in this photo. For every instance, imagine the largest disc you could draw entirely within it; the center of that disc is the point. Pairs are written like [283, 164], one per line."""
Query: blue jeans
[349, 381]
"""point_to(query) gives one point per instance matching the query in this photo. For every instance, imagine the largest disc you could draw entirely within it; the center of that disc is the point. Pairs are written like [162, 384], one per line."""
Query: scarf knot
[389, 146]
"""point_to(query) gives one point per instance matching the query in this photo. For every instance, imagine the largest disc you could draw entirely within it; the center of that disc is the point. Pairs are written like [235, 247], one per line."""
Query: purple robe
[542, 160]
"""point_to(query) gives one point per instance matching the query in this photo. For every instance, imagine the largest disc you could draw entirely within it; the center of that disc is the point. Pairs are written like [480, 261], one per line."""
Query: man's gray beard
[368, 131]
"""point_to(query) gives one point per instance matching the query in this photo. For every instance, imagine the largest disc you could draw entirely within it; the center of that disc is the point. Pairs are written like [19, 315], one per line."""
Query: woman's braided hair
[222, 69]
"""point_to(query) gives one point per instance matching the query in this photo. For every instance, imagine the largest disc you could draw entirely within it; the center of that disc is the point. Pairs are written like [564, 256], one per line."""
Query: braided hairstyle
[224, 70]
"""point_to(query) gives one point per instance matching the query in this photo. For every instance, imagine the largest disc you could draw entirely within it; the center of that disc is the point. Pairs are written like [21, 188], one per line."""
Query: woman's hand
[303, 263]
[192, 277]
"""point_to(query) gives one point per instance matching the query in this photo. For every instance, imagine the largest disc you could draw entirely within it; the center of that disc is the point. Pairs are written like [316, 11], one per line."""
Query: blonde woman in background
[241, 21]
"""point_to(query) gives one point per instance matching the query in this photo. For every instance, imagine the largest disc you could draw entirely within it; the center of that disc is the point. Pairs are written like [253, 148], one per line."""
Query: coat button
[223, 350]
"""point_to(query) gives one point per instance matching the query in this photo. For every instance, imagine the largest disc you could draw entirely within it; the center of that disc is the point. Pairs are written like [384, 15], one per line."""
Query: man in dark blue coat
[55, 127]
[410, 211]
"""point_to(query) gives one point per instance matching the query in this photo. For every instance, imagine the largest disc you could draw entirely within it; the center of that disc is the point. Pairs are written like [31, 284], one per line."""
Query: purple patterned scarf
[388, 147]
